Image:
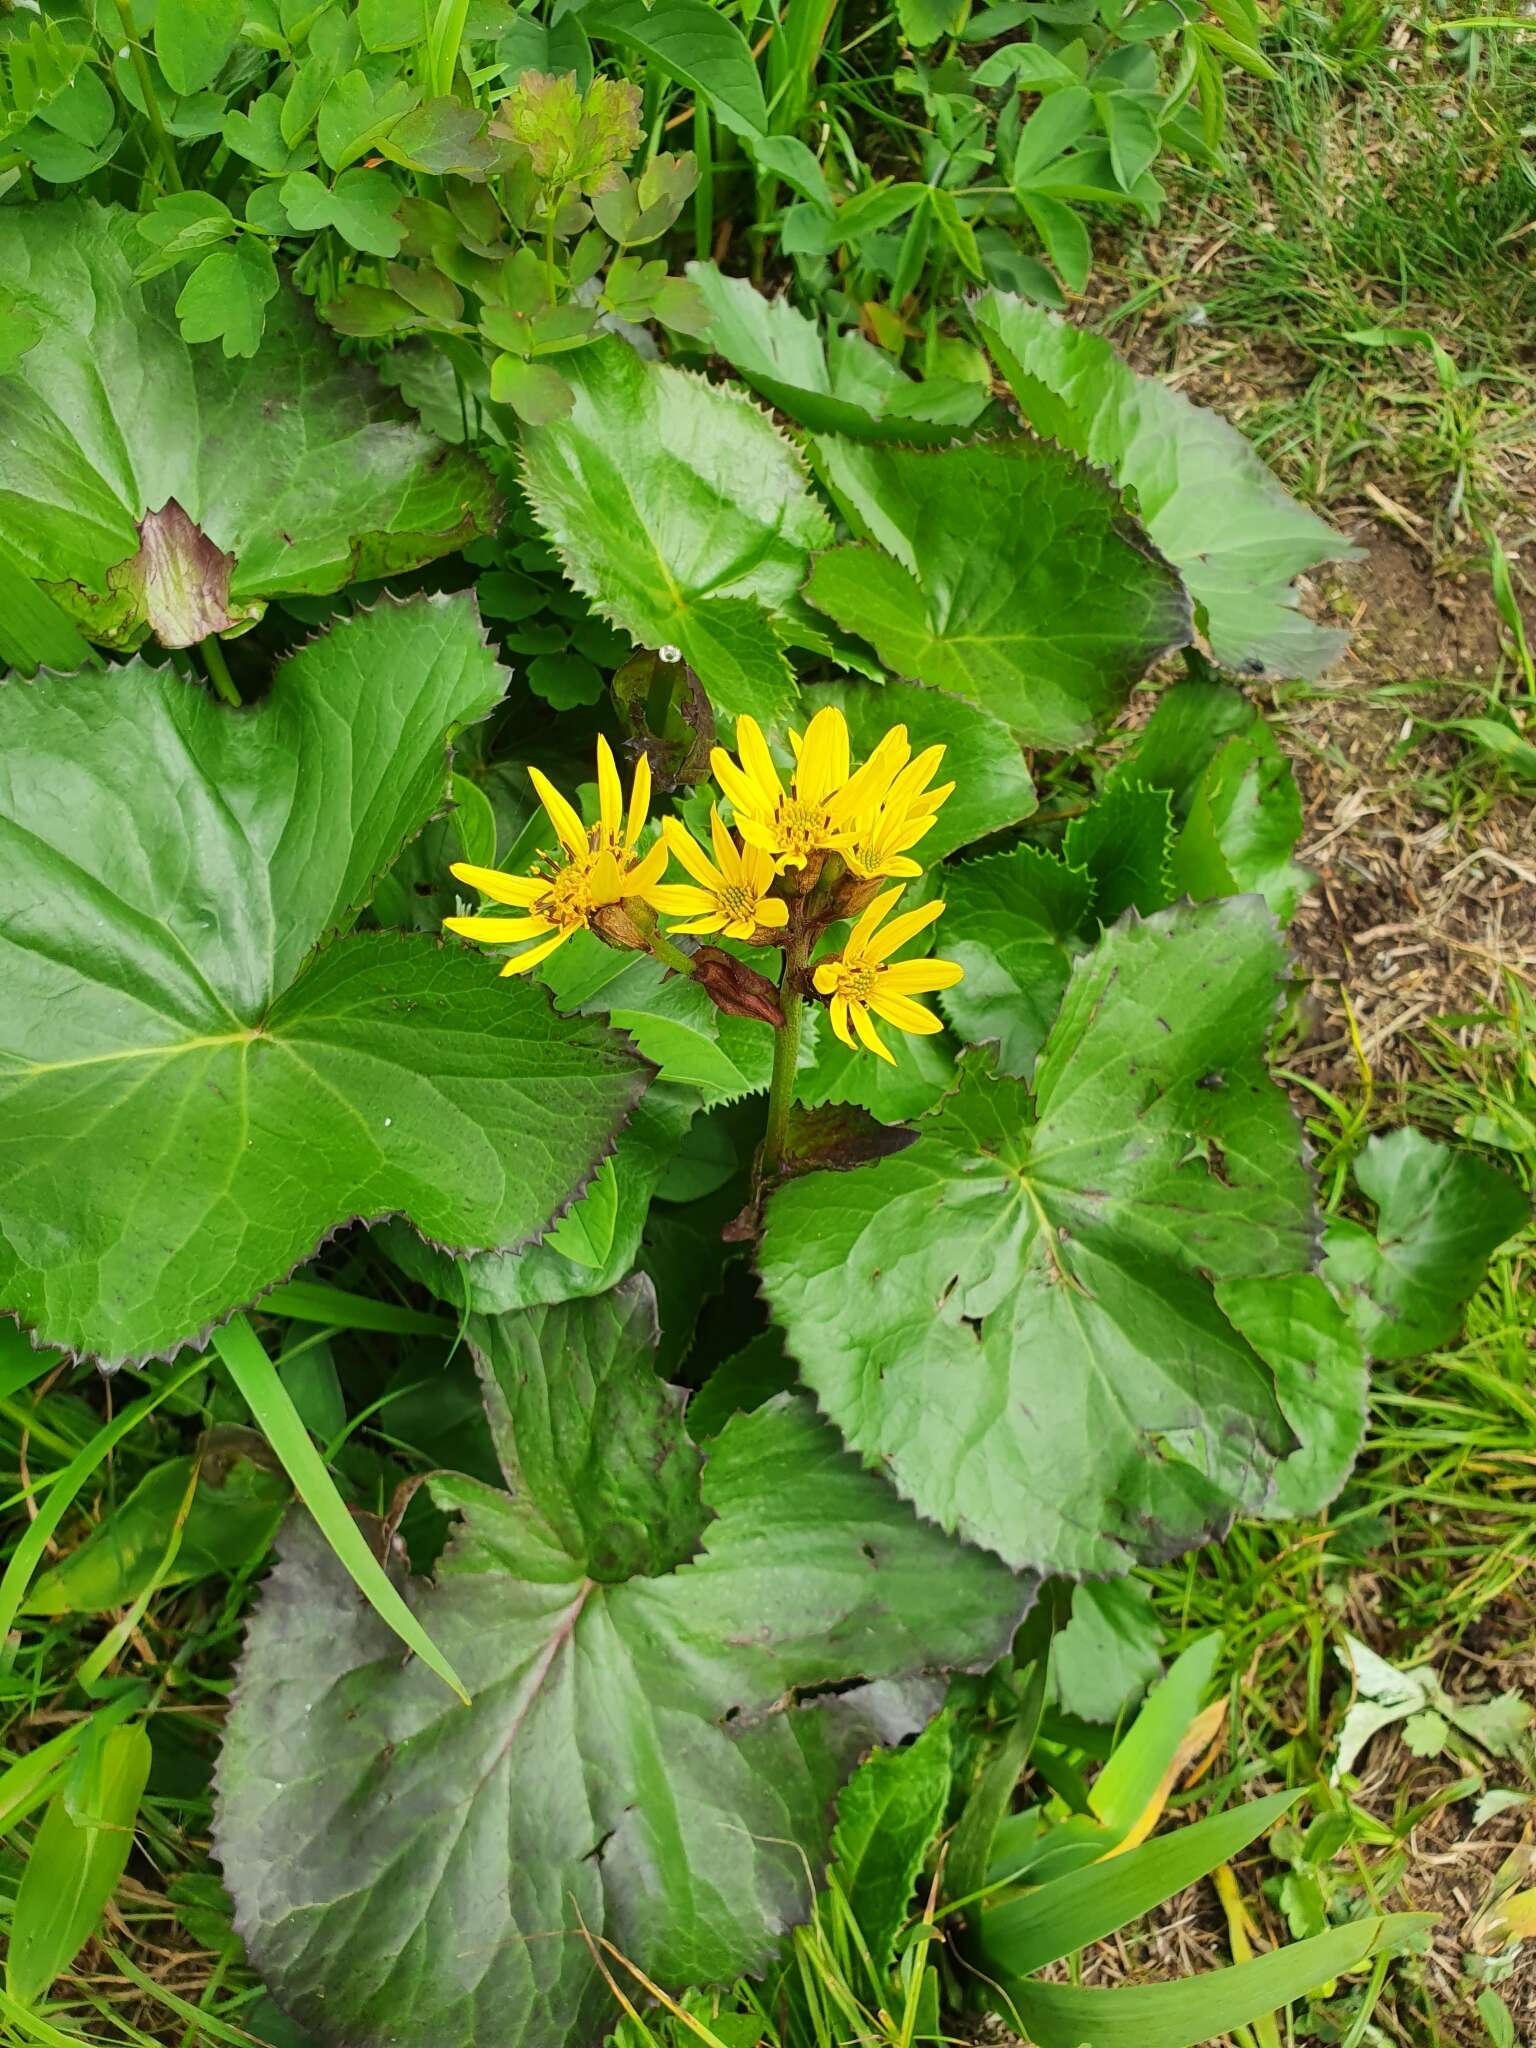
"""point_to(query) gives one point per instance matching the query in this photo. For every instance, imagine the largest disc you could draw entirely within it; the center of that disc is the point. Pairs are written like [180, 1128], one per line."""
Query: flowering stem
[670, 955]
[786, 1057]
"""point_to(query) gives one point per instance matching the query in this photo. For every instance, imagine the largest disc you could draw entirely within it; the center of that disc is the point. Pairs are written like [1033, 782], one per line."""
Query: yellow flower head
[863, 978]
[902, 812]
[599, 867]
[817, 812]
[728, 894]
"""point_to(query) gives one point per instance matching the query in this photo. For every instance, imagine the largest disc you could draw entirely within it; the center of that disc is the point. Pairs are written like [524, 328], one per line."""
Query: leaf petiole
[217, 664]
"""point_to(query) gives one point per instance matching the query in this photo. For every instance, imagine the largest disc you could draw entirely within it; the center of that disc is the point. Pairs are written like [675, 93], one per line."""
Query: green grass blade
[311, 1301]
[30, 1781]
[73, 1864]
[1131, 1777]
[194, 2015]
[272, 1405]
[28, 1554]
[1022, 1935]
[1195, 2009]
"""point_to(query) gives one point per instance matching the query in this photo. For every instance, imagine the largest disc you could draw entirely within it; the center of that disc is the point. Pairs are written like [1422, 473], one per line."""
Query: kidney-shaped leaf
[1207, 499]
[1006, 571]
[683, 513]
[1440, 1212]
[194, 1089]
[491, 1282]
[634, 1760]
[150, 486]
[1016, 1315]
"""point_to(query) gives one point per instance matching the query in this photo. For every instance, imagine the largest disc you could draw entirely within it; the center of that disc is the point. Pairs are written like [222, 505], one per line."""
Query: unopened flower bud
[627, 925]
[734, 987]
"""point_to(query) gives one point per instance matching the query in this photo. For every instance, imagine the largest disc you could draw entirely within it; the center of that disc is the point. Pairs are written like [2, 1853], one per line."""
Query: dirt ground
[1424, 907]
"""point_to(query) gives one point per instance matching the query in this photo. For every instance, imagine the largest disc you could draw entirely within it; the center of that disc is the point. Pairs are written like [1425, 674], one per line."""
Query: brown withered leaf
[668, 715]
[180, 580]
[837, 1136]
[734, 987]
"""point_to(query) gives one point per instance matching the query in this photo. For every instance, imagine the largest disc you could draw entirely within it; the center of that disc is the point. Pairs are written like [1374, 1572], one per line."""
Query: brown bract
[180, 580]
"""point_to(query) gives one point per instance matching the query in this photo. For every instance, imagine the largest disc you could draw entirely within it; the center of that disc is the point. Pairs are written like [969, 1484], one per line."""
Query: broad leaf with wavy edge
[639, 1756]
[1208, 501]
[1005, 571]
[195, 1087]
[679, 508]
[1015, 1316]
[491, 1282]
[1441, 1213]
[300, 471]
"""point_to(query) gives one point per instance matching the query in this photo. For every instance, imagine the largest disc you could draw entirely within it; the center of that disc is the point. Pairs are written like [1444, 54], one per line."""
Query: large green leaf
[1006, 571]
[888, 1820]
[1016, 1317]
[694, 42]
[1015, 921]
[683, 513]
[1206, 497]
[491, 1282]
[150, 486]
[1440, 1212]
[637, 1759]
[842, 385]
[198, 1079]
[1234, 801]
[1305, 1338]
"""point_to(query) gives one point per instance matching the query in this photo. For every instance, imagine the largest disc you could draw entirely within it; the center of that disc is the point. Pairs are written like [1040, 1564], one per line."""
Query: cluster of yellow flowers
[801, 858]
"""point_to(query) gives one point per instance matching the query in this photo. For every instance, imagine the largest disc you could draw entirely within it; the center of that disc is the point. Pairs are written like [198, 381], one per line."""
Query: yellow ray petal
[903, 1012]
[610, 793]
[752, 751]
[823, 763]
[497, 931]
[909, 784]
[756, 833]
[861, 791]
[639, 803]
[519, 889]
[726, 856]
[863, 932]
[605, 880]
[757, 868]
[690, 854]
[573, 834]
[827, 976]
[870, 1036]
[681, 899]
[840, 1022]
[714, 922]
[646, 872]
[902, 928]
[747, 800]
[535, 954]
[921, 977]
[772, 913]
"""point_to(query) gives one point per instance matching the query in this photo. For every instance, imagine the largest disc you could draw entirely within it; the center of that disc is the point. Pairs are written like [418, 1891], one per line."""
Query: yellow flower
[561, 895]
[731, 895]
[863, 978]
[904, 811]
[817, 812]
